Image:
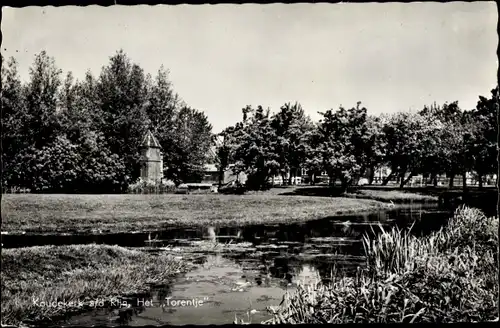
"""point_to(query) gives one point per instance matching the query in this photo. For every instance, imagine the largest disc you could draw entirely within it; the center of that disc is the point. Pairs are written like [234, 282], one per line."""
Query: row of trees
[65, 135]
[348, 143]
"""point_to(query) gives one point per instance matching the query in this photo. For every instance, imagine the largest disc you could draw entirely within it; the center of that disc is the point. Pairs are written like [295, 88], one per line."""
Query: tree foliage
[67, 135]
[62, 134]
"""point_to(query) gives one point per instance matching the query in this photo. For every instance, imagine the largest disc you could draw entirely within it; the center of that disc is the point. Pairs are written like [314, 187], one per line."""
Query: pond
[243, 270]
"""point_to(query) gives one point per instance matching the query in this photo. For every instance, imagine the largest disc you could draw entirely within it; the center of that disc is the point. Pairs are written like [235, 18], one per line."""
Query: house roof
[150, 141]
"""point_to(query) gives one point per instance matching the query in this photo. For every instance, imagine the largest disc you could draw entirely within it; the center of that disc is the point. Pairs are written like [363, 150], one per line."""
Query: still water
[243, 270]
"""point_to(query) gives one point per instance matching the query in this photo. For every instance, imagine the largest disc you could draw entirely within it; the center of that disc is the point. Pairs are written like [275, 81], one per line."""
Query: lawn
[448, 276]
[32, 213]
[34, 277]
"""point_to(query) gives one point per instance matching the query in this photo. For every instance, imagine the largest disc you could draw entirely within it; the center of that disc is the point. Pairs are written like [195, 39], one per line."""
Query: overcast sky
[392, 57]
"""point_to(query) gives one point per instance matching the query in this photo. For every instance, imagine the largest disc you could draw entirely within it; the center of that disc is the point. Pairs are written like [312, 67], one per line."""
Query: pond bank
[449, 276]
[395, 196]
[95, 214]
[44, 283]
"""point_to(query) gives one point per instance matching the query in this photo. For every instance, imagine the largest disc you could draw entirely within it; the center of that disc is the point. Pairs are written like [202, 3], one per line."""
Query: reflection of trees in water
[307, 273]
[211, 234]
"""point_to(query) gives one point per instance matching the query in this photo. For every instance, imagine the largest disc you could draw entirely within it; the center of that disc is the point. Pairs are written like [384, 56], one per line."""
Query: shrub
[151, 187]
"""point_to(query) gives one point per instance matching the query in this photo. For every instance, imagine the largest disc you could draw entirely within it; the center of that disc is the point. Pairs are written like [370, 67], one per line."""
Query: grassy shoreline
[77, 274]
[395, 196]
[448, 276]
[85, 214]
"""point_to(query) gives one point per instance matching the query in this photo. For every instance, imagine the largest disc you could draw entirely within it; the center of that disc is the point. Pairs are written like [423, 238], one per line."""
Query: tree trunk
[452, 180]
[283, 179]
[344, 184]
[332, 180]
[221, 176]
[432, 179]
[387, 179]
[402, 179]
[480, 177]
[372, 175]
[409, 178]
[362, 172]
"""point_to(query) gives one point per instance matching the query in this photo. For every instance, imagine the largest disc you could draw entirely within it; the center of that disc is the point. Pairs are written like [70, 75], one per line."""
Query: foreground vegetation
[126, 213]
[448, 276]
[34, 275]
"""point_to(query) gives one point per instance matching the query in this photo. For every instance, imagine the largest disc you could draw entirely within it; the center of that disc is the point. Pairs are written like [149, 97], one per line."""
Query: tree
[373, 153]
[291, 126]
[313, 158]
[255, 147]
[223, 151]
[484, 146]
[342, 136]
[122, 95]
[42, 121]
[162, 108]
[409, 139]
[54, 167]
[100, 170]
[14, 132]
[446, 155]
[192, 141]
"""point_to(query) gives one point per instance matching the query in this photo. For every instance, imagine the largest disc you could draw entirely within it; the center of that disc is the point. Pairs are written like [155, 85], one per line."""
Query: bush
[150, 187]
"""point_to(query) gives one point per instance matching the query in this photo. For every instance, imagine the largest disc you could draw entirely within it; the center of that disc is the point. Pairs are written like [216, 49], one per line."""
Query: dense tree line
[65, 135]
[60, 134]
[349, 144]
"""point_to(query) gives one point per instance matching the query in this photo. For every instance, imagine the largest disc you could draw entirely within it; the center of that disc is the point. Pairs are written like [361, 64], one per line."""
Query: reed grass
[448, 276]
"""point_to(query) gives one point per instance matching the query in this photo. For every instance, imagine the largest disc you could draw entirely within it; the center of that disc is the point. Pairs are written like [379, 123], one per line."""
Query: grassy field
[396, 196]
[448, 276]
[34, 275]
[125, 213]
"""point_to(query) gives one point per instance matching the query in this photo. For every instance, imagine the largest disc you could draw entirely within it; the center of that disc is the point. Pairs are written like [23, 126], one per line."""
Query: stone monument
[151, 159]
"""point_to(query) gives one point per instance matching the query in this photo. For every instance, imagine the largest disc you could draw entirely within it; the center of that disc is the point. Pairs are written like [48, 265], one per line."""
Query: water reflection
[308, 274]
[251, 267]
[426, 218]
[211, 234]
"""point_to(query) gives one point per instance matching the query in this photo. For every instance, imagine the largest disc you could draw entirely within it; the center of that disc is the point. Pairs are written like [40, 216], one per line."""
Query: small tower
[151, 159]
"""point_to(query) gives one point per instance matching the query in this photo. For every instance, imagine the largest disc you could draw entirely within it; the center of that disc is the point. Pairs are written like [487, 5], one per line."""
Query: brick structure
[151, 159]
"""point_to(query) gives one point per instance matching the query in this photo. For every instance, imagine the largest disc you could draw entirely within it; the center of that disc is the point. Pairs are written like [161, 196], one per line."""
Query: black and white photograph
[221, 164]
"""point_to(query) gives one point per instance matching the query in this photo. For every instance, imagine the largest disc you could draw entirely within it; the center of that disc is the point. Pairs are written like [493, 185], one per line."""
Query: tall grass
[448, 276]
